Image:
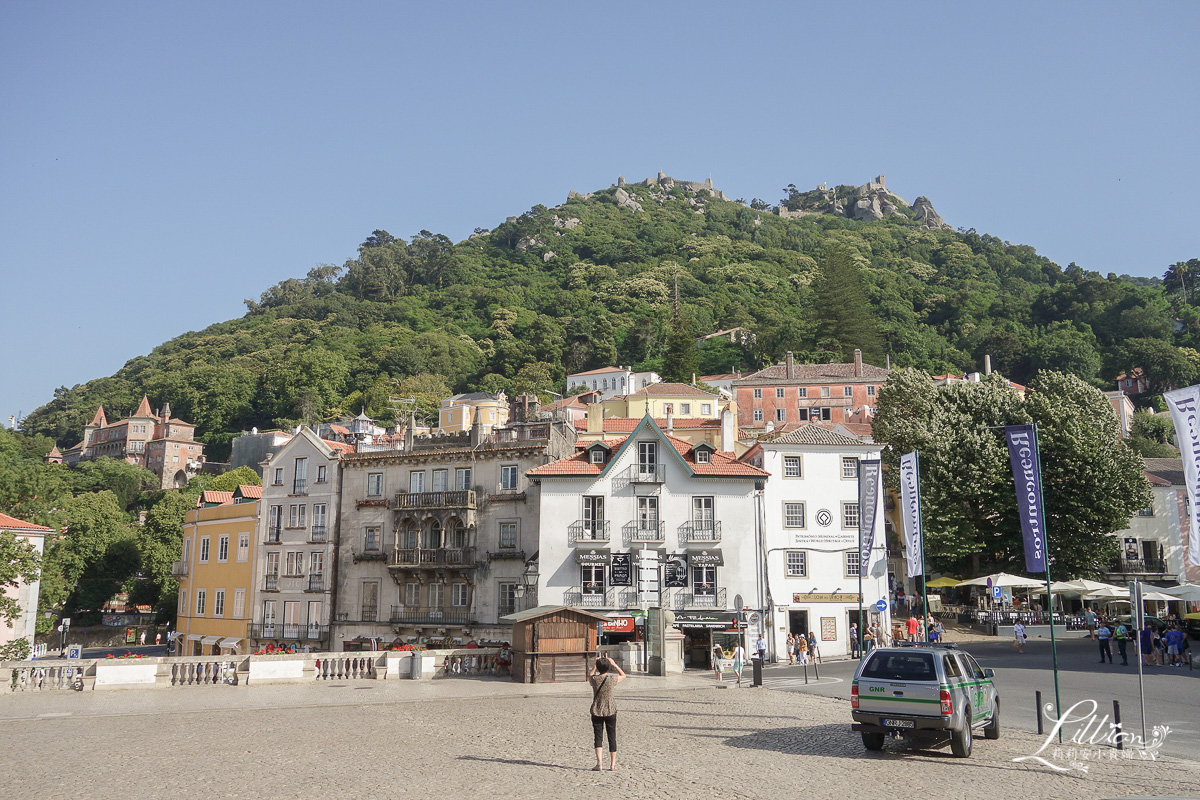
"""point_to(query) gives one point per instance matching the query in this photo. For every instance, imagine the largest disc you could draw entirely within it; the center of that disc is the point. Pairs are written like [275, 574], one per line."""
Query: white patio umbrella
[1061, 587]
[1092, 586]
[1004, 579]
[1187, 591]
[1119, 594]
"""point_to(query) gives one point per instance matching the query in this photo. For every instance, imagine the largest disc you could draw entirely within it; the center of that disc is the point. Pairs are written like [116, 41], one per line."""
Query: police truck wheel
[873, 741]
[960, 740]
[992, 729]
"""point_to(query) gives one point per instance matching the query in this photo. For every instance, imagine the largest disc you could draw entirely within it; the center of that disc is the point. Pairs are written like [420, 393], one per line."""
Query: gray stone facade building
[434, 537]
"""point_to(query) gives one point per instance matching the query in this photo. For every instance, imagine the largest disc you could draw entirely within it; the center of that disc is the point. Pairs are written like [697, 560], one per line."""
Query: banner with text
[910, 500]
[1027, 477]
[1184, 405]
[868, 507]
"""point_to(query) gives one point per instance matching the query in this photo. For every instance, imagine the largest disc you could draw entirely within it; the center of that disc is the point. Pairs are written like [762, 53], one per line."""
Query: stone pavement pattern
[679, 738]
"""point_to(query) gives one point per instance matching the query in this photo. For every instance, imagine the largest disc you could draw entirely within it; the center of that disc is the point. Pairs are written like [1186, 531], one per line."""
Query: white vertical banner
[910, 499]
[1184, 405]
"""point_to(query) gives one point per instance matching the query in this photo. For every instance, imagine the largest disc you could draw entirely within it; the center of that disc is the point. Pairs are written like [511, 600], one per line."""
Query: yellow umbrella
[1193, 615]
[943, 583]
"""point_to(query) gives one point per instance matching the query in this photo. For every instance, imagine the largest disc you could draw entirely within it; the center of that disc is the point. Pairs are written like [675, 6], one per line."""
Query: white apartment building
[689, 506]
[811, 513]
[294, 564]
[612, 381]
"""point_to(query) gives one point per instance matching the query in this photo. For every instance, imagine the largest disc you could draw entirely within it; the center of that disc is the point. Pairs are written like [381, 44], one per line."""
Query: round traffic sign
[881, 605]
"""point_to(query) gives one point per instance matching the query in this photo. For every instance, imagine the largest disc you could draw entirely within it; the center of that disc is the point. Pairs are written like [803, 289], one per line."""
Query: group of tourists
[1159, 645]
[801, 647]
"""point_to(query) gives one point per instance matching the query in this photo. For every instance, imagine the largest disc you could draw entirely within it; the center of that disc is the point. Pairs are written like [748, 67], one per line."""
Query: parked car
[926, 693]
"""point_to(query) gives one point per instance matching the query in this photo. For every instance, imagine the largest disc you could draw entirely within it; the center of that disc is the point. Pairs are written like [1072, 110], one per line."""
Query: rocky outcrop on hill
[871, 201]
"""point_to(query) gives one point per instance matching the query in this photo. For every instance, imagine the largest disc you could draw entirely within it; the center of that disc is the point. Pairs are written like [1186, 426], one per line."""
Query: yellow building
[460, 412]
[216, 576]
[681, 409]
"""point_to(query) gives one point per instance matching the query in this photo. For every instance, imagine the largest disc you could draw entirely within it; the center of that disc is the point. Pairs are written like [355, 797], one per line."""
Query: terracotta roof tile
[211, 496]
[339, 447]
[722, 465]
[14, 524]
[673, 390]
[627, 424]
[252, 492]
[811, 434]
[816, 373]
[597, 371]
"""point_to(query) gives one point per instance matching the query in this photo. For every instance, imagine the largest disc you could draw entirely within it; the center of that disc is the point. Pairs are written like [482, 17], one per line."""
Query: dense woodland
[541, 295]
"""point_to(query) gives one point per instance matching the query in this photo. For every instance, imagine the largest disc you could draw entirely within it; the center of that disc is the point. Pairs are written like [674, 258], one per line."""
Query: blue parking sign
[996, 592]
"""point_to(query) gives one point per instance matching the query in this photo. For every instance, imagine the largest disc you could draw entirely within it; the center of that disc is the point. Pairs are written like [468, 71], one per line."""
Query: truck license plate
[899, 723]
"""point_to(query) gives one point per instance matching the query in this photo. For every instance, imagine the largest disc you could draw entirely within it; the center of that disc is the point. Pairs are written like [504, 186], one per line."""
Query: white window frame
[458, 594]
[802, 391]
[705, 409]
[416, 480]
[849, 468]
[758, 415]
[796, 563]
[204, 549]
[793, 466]
[850, 564]
[850, 518]
[278, 480]
[781, 415]
[758, 394]
[871, 390]
[223, 548]
[374, 484]
[509, 477]
[201, 601]
[779, 392]
[243, 550]
[791, 515]
[412, 593]
[508, 534]
[239, 603]
[847, 391]
[218, 602]
[462, 479]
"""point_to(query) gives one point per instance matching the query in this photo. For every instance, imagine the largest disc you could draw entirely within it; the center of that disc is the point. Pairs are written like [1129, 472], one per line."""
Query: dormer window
[596, 456]
[703, 457]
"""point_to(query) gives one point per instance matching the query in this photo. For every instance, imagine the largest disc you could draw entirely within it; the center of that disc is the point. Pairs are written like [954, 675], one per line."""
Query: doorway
[797, 622]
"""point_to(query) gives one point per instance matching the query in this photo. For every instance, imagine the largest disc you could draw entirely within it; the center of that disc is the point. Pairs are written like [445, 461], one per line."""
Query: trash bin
[758, 668]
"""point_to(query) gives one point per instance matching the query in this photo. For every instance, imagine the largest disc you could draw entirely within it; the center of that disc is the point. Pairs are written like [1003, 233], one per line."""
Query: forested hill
[591, 282]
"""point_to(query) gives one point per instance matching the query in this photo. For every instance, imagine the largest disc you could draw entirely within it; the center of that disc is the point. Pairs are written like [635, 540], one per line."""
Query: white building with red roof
[811, 535]
[26, 594]
[612, 381]
[691, 507]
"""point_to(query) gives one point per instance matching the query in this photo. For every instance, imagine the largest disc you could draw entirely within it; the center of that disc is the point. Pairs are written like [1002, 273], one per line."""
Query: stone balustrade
[99, 674]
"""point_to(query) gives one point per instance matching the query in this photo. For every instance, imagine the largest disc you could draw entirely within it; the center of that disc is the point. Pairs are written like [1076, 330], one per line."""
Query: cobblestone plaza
[680, 737]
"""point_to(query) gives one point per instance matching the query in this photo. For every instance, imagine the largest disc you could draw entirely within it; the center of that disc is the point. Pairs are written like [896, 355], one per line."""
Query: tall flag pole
[914, 536]
[1026, 459]
[868, 507]
[1184, 405]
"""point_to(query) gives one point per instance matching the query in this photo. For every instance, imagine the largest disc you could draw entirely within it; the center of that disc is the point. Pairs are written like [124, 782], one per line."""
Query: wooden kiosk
[553, 644]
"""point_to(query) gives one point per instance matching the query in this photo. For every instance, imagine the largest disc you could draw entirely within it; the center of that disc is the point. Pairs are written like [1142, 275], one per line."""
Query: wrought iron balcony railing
[433, 557]
[413, 615]
[458, 498]
[588, 532]
[644, 531]
[704, 532]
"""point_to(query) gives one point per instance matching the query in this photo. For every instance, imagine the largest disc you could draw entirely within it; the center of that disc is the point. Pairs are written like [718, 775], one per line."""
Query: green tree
[160, 539]
[1092, 481]
[92, 523]
[229, 481]
[680, 362]
[845, 321]
[126, 481]
[19, 564]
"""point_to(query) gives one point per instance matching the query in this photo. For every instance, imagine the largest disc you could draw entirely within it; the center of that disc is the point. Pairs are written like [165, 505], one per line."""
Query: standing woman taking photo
[604, 677]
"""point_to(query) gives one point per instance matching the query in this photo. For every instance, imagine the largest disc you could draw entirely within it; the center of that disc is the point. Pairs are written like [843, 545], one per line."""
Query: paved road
[1172, 693]
[681, 738]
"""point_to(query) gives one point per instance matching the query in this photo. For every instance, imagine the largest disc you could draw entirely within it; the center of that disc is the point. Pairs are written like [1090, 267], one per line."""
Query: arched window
[433, 536]
[458, 536]
[407, 538]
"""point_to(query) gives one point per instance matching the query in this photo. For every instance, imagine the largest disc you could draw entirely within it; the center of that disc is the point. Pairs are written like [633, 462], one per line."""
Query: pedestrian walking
[1146, 644]
[1174, 641]
[912, 629]
[1019, 637]
[1104, 633]
[854, 640]
[604, 677]
[802, 658]
[791, 649]
[1089, 619]
[939, 632]
[739, 661]
[761, 647]
[142, 638]
[717, 655]
[157, 639]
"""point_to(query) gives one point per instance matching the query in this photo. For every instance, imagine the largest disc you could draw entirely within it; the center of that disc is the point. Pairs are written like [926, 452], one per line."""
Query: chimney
[728, 430]
[857, 363]
[670, 421]
[791, 365]
[987, 365]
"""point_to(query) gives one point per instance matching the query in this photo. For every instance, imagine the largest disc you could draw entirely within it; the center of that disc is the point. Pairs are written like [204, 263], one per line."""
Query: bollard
[1117, 724]
[816, 670]
[1037, 699]
[806, 674]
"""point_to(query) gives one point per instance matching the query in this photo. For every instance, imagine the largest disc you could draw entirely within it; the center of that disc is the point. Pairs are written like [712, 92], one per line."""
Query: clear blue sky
[159, 162]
